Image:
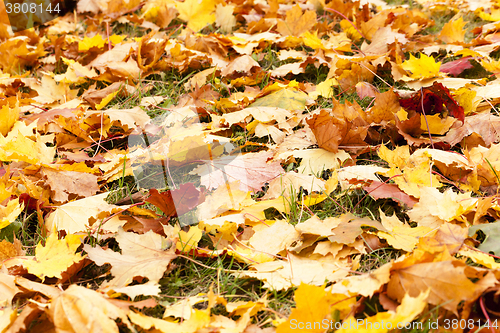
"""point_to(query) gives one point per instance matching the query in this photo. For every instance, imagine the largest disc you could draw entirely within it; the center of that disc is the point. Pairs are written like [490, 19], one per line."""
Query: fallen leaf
[55, 257]
[196, 13]
[453, 31]
[421, 68]
[143, 255]
[296, 22]
[378, 190]
[446, 280]
[80, 215]
[313, 304]
[491, 231]
[79, 308]
[176, 202]
[251, 169]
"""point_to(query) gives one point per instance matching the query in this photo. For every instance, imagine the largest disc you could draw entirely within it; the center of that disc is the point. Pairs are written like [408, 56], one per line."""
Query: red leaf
[434, 99]
[378, 190]
[176, 202]
[456, 67]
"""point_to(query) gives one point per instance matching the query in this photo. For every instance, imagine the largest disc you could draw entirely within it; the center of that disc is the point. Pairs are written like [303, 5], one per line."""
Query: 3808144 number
[33, 8]
[468, 323]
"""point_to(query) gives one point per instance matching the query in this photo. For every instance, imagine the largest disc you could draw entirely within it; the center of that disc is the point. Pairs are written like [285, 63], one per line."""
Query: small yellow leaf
[423, 68]
[197, 13]
[437, 125]
[314, 306]
[189, 240]
[296, 22]
[383, 322]
[453, 31]
[400, 235]
[90, 42]
[8, 116]
[494, 16]
[312, 40]
[55, 257]
[467, 99]
[106, 100]
[9, 213]
[350, 30]
[224, 17]
[324, 89]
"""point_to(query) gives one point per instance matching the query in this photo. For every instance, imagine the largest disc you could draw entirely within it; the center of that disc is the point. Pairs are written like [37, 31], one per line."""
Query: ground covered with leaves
[251, 166]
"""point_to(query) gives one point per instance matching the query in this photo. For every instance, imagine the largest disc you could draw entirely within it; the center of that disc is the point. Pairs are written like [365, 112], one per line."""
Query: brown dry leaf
[449, 237]
[365, 89]
[385, 108]
[378, 190]
[486, 125]
[70, 183]
[9, 250]
[345, 126]
[94, 97]
[446, 280]
[176, 202]
[296, 22]
[244, 63]
[143, 255]
[8, 289]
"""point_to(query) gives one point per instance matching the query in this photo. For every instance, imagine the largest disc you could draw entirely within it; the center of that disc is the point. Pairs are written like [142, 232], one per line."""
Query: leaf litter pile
[328, 161]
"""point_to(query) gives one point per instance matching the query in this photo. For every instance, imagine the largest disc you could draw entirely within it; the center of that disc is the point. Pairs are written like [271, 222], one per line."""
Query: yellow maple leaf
[8, 116]
[324, 88]
[224, 17]
[197, 13]
[189, 240]
[314, 306]
[421, 68]
[493, 16]
[312, 40]
[453, 31]
[400, 235]
[296, 23]
[410, 172]
[90, 42]
[10, 212]
[78, 307]
[17, 147]
[55, 257]
[383, 322]
[437, 125]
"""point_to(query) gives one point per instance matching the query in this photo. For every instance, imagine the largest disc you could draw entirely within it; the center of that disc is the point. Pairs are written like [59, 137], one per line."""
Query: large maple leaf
[142, 256]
